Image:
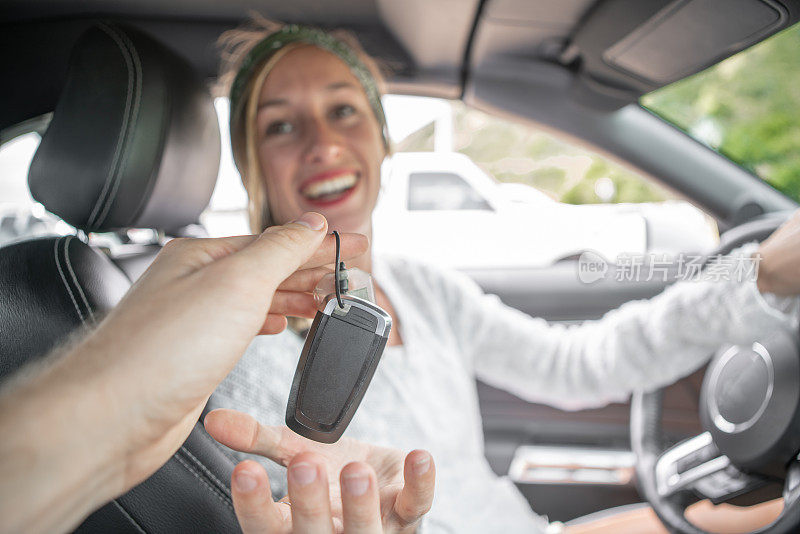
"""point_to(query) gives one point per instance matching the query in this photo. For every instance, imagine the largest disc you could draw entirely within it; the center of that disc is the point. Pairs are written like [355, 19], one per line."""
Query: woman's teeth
[330, 187]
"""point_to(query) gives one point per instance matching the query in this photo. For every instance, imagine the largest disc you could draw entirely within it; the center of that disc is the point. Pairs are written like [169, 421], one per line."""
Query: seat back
[133, 142]
[51, 288]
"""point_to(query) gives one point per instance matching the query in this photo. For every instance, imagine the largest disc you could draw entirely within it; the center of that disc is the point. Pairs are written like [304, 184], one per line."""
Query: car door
[570, 464]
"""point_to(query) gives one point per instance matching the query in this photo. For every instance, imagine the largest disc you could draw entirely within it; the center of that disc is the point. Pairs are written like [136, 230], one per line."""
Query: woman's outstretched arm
[642, 345]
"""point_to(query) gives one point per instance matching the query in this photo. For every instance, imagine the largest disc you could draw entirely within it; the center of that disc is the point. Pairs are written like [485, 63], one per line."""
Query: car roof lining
[555, 51]
[611, 46]
[405, 36]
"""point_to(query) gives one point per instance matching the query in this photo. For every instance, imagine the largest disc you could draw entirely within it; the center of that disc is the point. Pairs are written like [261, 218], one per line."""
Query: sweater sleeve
[643, 344]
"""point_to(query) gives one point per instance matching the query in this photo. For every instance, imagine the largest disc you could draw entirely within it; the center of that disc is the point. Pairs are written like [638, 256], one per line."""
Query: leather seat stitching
[64, 279]
[205, 469]
[221, 496]
[129, 517]
[75, 278]
[123, 128]
[134, 119]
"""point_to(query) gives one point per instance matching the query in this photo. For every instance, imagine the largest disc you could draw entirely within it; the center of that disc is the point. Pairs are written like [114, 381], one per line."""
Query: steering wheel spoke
[696, 464]
[688, 463]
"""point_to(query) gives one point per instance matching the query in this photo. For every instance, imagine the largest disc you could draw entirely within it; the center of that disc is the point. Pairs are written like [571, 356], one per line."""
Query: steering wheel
[750, 409]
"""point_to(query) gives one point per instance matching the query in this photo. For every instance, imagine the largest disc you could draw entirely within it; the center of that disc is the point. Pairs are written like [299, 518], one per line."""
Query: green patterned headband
[301, 34]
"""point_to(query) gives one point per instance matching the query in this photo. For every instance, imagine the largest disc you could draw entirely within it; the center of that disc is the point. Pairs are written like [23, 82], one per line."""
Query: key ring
[346, 282]
[336, 271]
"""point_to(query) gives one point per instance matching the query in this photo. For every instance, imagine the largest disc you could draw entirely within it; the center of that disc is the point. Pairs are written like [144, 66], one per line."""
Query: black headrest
[134, 140]
[49, 287]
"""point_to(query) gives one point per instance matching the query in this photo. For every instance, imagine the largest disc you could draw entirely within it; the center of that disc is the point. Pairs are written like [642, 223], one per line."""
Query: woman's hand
[779, 268]
[355, 486]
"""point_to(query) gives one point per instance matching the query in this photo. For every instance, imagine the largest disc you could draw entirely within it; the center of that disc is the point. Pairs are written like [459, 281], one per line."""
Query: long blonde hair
[235, 45]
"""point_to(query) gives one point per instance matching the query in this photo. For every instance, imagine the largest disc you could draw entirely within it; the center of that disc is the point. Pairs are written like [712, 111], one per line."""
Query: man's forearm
[115, 408]
[59, 455]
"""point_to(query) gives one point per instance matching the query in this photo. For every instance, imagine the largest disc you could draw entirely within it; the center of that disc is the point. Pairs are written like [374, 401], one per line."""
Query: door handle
[545, 464]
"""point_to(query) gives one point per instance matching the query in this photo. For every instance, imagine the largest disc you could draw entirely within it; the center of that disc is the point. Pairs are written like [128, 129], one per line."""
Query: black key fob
[341, 353]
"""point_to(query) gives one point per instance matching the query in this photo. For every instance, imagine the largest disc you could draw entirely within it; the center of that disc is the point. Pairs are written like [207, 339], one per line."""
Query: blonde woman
[309, 134]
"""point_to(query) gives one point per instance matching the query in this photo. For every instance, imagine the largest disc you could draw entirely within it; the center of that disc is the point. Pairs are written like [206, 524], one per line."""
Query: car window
[746, 107]
[20, 215]
[15, 159]
[513, 152]
[551, 199]
[442, 191]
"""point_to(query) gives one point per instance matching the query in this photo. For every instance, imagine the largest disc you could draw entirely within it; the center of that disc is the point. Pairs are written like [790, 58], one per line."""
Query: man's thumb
[281, 250]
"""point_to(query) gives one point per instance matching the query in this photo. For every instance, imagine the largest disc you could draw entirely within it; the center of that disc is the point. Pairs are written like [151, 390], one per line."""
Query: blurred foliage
[628, 187]
[747, 107]
[516, 152]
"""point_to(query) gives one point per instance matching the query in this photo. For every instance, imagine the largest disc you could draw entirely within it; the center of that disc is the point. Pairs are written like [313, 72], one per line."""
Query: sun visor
[630, 47]
[687, 36]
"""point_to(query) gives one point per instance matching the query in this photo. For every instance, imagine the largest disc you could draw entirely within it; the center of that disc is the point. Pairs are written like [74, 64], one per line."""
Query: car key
[339, 358]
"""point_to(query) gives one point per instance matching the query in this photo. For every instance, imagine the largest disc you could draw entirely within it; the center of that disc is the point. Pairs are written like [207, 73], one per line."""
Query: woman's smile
[330, 188]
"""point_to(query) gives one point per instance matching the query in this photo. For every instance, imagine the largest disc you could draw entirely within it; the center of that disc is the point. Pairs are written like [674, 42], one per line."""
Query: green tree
[747, 107]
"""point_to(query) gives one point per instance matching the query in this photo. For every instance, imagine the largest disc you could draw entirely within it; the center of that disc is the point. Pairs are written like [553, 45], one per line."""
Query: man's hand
[348, 484]
[190, 317]
[110, 411]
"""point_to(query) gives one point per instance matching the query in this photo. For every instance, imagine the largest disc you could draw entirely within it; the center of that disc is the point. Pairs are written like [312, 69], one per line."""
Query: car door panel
[520, 432]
